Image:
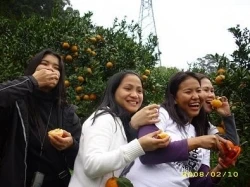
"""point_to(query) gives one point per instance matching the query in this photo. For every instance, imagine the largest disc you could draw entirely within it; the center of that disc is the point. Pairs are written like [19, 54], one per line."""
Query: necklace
[42, 140]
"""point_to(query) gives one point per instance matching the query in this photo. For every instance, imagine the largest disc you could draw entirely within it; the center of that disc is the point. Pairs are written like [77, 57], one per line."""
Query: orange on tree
[216, 103]
[88, 50]
[144, 77]
[74, 48]
[75, 54]
[93, 53]
[78, 89]
[219, 79]
[92, 39]
[86, 97]
[89, 70]
[221, 71]
[92, 96]
[80, 78]
[98, 37]
[68, 58]
[65, 45]
[78, 98]
[147, 72]
[66, 83]
[221, 130]
[109, 65]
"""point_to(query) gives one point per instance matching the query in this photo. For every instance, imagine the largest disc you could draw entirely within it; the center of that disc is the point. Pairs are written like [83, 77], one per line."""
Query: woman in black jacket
[30, 106]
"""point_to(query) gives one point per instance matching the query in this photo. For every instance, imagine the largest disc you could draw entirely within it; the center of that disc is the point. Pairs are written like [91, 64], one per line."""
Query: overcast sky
[187, 30]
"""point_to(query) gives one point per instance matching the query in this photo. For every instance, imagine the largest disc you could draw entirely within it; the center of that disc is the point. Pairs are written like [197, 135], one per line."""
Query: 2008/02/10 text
[212, 174]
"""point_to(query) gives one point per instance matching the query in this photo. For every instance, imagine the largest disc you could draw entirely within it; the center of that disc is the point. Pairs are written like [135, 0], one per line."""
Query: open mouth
[194, 105]
[133, 103]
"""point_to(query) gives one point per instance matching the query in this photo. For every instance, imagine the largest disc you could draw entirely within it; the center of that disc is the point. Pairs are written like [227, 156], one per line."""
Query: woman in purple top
[185, 161]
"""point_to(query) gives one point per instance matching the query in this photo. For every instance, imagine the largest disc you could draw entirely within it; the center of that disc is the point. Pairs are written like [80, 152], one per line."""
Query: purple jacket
[175, 151]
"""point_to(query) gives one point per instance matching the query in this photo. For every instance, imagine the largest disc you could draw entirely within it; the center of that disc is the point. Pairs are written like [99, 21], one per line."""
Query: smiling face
[208, 94]
[189, 97]
[129, 93]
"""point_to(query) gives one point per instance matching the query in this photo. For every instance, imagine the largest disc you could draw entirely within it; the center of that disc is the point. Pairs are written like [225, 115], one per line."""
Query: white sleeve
[206, 158]
[100, 152]
[164, 119]
[212, 129]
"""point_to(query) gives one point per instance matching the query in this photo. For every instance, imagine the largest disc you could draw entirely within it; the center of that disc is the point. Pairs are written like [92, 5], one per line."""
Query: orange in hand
[216, 103]
[162, 135]
[56, 132]
[230, 155]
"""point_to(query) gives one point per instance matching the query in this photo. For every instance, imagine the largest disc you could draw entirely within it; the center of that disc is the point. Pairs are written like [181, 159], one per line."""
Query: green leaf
[124, 182]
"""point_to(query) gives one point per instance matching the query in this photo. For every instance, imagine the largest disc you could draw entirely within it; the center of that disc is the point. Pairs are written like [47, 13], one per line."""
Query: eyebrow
[128, 84]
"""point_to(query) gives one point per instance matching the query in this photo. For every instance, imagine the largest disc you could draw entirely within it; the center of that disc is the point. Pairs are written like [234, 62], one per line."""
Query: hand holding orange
[56, 132]
[231, 154]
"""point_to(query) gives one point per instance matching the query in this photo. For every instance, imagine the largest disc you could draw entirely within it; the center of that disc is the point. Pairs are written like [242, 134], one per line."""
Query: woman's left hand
[224, 110]
[61, 143]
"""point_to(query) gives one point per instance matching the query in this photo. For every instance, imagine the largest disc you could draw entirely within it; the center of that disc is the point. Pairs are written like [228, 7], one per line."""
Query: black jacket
[14, 125]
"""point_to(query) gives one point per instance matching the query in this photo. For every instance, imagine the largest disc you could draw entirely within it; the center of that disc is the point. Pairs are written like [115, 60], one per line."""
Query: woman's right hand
[147, 115]
[149, 142]
[46, 77]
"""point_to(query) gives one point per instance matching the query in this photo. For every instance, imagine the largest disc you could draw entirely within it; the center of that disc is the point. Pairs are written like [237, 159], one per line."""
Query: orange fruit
[66, 83]
[144, 77]
[86, 97]
[80, 78]
[68, 58]
[98, 37]
[109, 65]
[162, 135]
[93, 53]
[88, 50]
[65, 45]
[221, 71]
[112, 182]
[216, 103]
[75, 54]
[219, 79]
[78, 89]
[89, 70]
[92, 39]
[78, 98]
[74, 48]
[147, 72]
[92, 97]
[56, 132]
[221, 130]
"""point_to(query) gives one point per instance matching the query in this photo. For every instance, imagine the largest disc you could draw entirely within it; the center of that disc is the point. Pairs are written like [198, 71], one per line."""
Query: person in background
[223, 111]
[183, 119]
[30, 106]
[108, 141]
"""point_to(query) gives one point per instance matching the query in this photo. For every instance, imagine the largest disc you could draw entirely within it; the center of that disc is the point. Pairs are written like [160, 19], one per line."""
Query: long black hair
[179, 116]
[110, 106]
[207, 118]
[59, 93]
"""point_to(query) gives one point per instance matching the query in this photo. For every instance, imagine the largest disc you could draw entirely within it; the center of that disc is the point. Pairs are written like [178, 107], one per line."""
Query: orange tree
[91, 53]
[231, 78]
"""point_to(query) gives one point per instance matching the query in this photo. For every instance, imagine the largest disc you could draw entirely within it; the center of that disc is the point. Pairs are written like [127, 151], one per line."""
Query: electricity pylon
[147, 22]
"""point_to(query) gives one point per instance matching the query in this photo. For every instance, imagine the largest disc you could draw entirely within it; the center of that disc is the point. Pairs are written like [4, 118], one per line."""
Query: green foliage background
[23, 35]
[236, 87]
